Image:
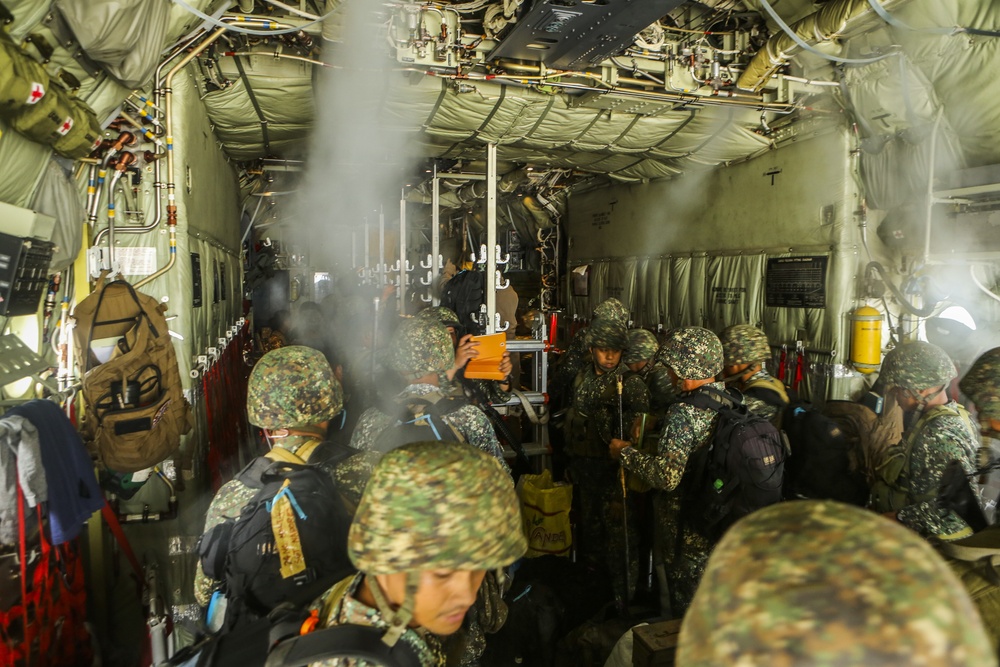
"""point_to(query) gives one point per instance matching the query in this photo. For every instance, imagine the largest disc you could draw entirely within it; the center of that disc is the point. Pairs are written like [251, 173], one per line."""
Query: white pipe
[984, 288]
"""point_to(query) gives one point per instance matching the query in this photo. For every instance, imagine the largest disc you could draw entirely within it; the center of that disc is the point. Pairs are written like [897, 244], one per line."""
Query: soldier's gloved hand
[616, 447]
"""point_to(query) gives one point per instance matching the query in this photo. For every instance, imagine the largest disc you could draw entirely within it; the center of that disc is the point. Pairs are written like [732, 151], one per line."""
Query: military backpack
[738, 472]
[290, 539]
[420, 419]
[892, 469]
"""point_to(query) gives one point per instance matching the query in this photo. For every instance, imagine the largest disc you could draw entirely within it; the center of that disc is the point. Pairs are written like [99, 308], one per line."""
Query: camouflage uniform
[594, 421]
[457, 386]
[693, 353]
[429, 506]
[982, 385]
[643, 347]
[822, 584]
[577, 356]
[291, 387]
[765, 396]
[914, 367]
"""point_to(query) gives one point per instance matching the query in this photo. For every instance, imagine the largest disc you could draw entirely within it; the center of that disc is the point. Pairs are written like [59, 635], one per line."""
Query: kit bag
[738, 472]
[135, 410]
[421, 419]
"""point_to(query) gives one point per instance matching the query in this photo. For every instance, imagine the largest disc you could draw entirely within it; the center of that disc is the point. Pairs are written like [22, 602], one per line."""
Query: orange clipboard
[487, 365]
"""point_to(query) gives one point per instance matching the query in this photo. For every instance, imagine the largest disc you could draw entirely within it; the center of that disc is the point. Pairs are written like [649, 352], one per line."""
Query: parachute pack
[421, 420]
[740, 471]
[290, 540]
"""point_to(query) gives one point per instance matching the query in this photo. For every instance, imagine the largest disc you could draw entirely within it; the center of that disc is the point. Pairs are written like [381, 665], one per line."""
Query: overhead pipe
[123, 162]
[822, 26]
[168, 124]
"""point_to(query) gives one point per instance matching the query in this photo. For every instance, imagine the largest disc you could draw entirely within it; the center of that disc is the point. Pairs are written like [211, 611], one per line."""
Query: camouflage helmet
[982, 384]
[291, 387]
[917, 366]
[611, 309]
[436, 505]
[642, 346]
[693, 353]
[445, 316]
[421, 346]
[822, 584]
[744, 344]
[607, 333]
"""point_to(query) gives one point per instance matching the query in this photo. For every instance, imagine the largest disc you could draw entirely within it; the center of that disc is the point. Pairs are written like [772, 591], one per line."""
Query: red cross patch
[66, 126]
[37, 92]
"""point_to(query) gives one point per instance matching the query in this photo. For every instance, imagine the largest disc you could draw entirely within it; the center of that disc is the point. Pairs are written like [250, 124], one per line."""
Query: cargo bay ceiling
[613, 90]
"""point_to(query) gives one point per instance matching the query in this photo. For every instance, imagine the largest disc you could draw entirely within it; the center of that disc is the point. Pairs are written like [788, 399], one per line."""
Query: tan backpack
[135, 410]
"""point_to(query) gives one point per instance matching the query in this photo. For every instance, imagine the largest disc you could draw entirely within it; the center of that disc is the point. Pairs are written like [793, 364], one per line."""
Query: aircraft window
[26, 328]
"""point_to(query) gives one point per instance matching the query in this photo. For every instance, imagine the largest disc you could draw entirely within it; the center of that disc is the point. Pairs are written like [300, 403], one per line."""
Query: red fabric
[47, 626]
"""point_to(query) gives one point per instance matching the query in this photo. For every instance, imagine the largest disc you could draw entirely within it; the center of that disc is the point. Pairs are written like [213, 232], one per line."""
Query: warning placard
[796, 282]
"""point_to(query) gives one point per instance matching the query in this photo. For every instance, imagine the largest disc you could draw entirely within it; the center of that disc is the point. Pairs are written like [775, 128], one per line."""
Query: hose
[926, 311]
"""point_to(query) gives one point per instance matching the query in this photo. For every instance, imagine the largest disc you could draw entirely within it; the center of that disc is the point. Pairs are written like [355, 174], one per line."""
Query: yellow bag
[545, 507]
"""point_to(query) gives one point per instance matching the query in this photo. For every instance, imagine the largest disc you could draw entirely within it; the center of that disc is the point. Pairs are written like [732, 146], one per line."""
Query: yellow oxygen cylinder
[866, 339]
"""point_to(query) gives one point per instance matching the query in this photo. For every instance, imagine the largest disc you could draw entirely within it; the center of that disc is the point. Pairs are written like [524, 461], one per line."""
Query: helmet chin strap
[400, 618]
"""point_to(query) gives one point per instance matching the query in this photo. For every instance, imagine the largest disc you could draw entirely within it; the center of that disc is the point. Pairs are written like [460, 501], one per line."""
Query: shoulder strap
[282, 455]
[358, 642]
[710, 398]
[772, 391]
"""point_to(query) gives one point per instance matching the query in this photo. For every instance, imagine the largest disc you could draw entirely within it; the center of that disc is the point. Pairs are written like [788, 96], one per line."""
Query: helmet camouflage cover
[608, 333]
[421, 346]
[642, 346]
[917, 366]
[982, 384]
[611, 309]
[744, 344]
[693, 353]
[823, 584]
[292, 387]
[436, 505]
[445, 316]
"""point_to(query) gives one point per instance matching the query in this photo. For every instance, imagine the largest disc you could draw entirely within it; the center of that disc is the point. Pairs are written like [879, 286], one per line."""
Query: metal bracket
[498, 328]
[500, 284]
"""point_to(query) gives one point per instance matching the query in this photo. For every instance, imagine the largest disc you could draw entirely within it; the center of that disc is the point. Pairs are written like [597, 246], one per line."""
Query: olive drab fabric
[292, 387]
[982, 384]
[436, 505]
[823, 584]
[421, 346]
[39, 108]
[135, 410]
[744, 344]
[642, 346]
[917, 366]
[693, 353]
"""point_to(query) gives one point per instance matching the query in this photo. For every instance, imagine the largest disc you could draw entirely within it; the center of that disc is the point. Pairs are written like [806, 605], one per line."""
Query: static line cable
[802, 43]
[896, 23]
[277, 30]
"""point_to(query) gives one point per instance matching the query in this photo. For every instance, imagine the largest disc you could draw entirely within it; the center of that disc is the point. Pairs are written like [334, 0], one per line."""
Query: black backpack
[420, 420]
[465, 295]
[823, 462]
[738, 472]
[243, 554]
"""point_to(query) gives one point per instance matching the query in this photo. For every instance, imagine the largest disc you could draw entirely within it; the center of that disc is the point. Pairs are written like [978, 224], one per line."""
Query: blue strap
[286, 491]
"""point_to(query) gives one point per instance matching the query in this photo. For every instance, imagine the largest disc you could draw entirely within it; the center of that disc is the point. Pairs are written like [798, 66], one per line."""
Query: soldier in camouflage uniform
[453, 381]
[939, 431]
[577, 356]
[694, 357]
[982, 385]
[642, 347]
[822, 584]
[420, 352]
[292, 394]
[597, 417]
[435, 517]
[745, 349]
